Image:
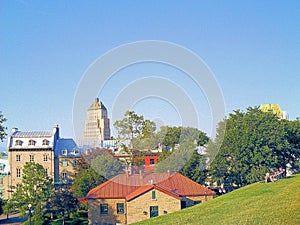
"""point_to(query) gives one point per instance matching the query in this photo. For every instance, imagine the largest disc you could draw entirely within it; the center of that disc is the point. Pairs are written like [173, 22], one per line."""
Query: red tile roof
[132, 186]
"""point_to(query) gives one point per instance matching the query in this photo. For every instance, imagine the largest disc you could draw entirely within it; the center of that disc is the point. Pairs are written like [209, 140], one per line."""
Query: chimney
[169, 173]
[15, 129]
[56, 131]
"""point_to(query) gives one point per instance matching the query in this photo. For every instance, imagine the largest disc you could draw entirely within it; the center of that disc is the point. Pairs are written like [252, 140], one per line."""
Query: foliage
[2, 128]
[273, 203]
[185, 159]
[195, 169]
[169, 136]
[291, 155]
[253, 144]
[107, 166]
[132, 128]
[35, 189]
[85, 181]
[62, 204]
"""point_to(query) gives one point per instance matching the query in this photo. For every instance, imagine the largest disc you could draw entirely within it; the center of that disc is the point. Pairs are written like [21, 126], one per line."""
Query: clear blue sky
[253, 48]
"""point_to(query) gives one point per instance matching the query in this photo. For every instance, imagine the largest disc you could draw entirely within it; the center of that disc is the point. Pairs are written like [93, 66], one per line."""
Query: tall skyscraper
[97, 126]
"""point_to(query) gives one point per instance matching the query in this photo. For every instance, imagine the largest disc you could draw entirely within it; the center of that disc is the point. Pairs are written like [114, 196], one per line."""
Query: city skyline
[253, 50]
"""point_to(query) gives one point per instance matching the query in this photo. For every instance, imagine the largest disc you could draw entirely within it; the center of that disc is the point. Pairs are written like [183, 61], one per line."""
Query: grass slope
[271, 203]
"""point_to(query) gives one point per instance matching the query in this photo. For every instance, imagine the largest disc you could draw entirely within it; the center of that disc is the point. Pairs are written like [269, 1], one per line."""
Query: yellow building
[97, 126]
[274, 108]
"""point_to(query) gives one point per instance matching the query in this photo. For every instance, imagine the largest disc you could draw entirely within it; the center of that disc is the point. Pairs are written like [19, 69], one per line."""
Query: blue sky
[252, 47]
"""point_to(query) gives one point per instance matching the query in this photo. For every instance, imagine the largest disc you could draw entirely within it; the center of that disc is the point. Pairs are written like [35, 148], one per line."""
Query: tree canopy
[35, 189]
[255, 142]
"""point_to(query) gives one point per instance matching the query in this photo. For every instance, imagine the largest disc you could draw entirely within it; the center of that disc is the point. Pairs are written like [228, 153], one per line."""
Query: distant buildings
[274, 108]
[43, 147]
[128, 198]
[97, 127]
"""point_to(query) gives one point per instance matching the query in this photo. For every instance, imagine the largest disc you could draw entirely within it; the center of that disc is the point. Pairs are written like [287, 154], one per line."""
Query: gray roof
[25, 134]
[65, 143]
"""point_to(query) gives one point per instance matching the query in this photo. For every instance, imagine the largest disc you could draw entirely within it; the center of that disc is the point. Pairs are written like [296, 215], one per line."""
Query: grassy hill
[260, 203]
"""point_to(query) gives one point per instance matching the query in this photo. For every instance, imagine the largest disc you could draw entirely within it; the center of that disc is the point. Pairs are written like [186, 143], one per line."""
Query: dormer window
[45, 142]
[31, 142]
[76, 151]
[65, 152]
[18, 143]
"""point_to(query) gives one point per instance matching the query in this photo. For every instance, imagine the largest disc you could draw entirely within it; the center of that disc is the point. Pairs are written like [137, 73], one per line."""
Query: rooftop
[130, 186]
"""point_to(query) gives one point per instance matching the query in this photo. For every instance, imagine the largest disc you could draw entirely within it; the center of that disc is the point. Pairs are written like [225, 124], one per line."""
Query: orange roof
[132, 186]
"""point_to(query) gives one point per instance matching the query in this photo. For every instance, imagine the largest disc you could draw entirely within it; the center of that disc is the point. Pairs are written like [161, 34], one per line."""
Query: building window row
[104, 208]
[31, 142]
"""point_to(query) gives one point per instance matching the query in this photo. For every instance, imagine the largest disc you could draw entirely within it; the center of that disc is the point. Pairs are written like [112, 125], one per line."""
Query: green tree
[251, 147]
[195, 169]
[185, 159]
[62, 204]
[107, 166]
[85, 181]
[2, 128]
[35, 189]
[291, 155]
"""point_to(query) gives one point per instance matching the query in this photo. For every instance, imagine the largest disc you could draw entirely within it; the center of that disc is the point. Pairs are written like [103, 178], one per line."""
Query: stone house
[126, 198]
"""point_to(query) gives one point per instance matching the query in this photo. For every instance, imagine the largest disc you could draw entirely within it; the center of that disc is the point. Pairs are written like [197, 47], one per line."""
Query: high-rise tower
[97, 123]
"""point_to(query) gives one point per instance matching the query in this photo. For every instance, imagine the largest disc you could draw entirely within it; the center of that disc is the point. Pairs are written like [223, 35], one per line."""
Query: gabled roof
[132, 186]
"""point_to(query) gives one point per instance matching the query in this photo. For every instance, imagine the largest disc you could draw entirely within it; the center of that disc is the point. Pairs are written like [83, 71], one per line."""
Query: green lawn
[260, 203]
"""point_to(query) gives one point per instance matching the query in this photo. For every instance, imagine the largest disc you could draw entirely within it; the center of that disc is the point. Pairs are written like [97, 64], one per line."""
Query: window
[183, 204]
[64, 175]
[1, 181]
[153, 195]
[152, 161]
[31, 158]
[18, 158]
[45, 158]
[104, 209]
[18, 172]
[65, 152]
[75, 163]
[153, 211]
[31, 142]
[45, 142]
[65, 163]
[1, 167]
[18, 142]
[75, 173]
[120, 208]
[197, 202]
[46, 172]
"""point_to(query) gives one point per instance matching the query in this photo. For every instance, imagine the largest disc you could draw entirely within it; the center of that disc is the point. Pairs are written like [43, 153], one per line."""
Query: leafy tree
[169, 136]
[85, 181]
[133, 126]
[185, 159]
[252, 146]
[195, 169]
[291, 155]
[62, 204]
[35, 189]
[2, 128]
[107, 166]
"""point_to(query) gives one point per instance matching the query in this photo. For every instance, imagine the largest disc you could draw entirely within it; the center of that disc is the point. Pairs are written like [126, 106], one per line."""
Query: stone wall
[112, 217]
[139, 208]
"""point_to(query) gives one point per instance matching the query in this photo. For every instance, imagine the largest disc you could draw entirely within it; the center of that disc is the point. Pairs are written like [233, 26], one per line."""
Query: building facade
[97, 126]
[42, 147]
[128, 198]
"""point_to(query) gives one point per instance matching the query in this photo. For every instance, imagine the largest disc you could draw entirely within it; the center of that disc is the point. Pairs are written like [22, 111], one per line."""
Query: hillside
[259, 203]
